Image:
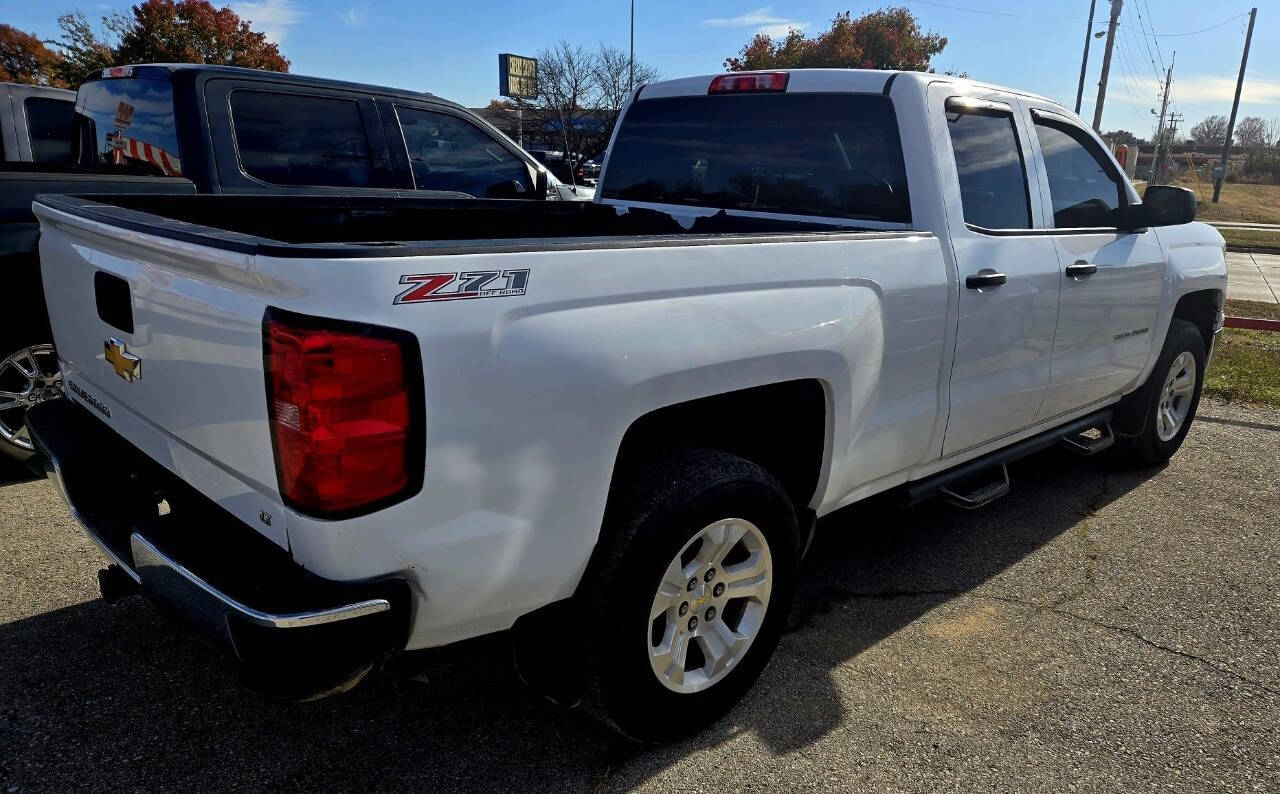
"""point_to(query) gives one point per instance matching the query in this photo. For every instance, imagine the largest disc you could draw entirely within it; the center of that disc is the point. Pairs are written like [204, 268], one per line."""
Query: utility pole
[1154, 177]
[631, 63]
[1106, 64]
[1235, 105]
[1084, 59]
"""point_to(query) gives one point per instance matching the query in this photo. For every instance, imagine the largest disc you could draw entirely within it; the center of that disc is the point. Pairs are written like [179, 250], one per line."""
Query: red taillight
[342, 407]
[748, 82]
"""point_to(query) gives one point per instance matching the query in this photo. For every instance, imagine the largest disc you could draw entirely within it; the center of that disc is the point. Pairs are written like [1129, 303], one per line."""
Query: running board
[953, 479]
[1091, 441]
[983, 494]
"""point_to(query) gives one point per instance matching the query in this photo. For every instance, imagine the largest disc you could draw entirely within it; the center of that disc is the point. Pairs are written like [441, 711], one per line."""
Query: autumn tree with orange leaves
[192, 31]
[886, 39]
[25, 59]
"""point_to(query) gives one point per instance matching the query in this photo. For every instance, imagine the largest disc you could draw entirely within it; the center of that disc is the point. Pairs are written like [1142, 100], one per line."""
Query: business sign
[517, 76]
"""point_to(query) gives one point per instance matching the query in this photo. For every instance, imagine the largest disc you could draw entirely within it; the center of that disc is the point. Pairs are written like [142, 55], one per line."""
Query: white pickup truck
[324, 429]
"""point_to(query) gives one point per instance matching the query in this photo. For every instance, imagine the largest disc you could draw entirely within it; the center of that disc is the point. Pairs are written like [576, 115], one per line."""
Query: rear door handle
[986, 277]
[1081, 269]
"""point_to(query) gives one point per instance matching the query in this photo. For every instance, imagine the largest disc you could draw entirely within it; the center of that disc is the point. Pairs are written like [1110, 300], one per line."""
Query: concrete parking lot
[1096, 630]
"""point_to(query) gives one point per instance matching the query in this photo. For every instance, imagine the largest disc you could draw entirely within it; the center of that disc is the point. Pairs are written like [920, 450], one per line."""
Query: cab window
[49, 125]
[1084, 188]
[993, 178]
[300, 139]
[449, 153]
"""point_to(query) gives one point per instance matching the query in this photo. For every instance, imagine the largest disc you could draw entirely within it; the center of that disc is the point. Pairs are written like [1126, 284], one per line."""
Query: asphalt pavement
[1096, 630]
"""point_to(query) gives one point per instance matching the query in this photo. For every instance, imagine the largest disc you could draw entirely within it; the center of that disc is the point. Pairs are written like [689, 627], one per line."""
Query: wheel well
[782, 427]
[1201, 309]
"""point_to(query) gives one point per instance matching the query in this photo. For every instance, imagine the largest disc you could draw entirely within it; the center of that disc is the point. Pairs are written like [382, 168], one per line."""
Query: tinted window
[49, 125]
[1082, 188]
[292, 139]
[448, 153]
[127, 125]
[811, 154]
[993, 179]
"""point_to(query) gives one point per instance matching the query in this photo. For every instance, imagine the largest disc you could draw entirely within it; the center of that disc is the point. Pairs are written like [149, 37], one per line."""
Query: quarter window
[295, 139]
[1082, 186]
[993, 178]
[448, 153]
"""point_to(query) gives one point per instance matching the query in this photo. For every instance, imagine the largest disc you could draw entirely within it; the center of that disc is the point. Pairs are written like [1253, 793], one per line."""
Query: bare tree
[1251, 132]
[1212, 130]
[615, 80]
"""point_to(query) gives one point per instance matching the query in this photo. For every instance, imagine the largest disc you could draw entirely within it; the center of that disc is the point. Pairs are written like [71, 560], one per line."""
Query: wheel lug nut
[710, 614]
[709, 575]
[684, 609]
[693, 623]
[718, 590]
[693, 584]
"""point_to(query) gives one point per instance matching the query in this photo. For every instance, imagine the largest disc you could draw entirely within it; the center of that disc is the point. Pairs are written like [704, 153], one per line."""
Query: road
[1097, 629]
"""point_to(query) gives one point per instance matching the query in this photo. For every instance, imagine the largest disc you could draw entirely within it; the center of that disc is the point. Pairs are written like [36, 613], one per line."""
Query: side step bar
[951, 483]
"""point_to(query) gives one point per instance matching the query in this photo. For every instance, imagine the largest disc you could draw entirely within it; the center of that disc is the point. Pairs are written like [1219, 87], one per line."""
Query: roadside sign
[517, 76]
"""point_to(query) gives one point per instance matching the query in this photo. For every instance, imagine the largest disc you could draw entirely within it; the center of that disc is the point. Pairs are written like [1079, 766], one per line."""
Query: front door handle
[986, 277]
[1080, 269]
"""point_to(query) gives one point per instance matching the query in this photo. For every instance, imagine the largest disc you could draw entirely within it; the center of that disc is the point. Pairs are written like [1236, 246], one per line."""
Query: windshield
[127, 125]
[810, 154]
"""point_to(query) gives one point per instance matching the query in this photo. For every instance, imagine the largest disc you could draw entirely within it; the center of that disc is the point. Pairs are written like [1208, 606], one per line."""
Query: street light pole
[631, 63]
[1084, 59]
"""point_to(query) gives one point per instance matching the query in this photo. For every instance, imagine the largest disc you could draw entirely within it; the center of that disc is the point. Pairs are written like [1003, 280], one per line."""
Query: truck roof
[859, 81]
[163, 71]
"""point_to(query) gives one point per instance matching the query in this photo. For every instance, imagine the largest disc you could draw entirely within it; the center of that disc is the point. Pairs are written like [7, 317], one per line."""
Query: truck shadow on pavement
[103, 696]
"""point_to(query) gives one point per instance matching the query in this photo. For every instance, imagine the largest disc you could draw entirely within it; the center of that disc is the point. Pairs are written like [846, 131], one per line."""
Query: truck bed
[414, 224]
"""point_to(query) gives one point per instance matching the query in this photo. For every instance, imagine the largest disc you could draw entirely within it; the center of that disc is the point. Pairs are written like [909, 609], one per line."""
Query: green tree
[886, 39]
[25, 59]
[83, 51]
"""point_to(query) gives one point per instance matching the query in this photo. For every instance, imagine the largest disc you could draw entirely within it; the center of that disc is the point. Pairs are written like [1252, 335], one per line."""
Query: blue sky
[451, 48]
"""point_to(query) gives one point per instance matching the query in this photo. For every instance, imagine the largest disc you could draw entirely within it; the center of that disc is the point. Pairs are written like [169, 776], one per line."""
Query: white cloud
[272, 17]
[762, 19]
[1209, 88]
[354, 17]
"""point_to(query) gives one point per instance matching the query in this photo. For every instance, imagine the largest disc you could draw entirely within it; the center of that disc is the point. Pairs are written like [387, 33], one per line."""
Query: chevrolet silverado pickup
[322, 430]
[194, 128]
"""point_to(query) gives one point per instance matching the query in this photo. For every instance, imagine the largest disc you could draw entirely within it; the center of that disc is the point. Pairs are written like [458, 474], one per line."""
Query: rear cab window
[49, 127]
[833, 155]
[127, 125]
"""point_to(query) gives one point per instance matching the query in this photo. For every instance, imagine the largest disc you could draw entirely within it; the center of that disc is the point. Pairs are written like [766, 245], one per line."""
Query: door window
[296, 139]
[993, 178]
[49, 125]
[1085, 190]
[448, 153]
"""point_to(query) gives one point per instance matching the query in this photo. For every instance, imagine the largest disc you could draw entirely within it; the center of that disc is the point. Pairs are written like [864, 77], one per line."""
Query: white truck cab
[386, 424]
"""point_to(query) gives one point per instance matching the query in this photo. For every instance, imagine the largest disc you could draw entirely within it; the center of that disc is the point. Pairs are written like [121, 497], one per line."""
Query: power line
[971, 10]
[1152, 28]
[1159, 69]
[1202, 30]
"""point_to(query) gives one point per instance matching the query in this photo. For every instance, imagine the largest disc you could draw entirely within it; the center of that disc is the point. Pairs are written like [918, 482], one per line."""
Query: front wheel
[1175, 383]
[688, 599]
[28, 375]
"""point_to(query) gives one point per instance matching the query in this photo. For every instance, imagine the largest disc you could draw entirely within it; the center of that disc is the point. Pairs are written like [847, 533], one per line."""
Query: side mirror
[1165, 205]
[541, 184]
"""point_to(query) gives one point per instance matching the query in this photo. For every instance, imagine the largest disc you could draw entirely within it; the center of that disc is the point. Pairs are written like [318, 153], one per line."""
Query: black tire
[664, 506]
[1148, 448]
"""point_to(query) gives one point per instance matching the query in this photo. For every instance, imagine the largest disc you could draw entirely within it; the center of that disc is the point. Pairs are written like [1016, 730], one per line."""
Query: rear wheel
[1175, 383]
[28, 375]
[687, 601]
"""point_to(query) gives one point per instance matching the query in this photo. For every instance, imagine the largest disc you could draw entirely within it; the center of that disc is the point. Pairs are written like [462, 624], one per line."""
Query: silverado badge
[126, 364]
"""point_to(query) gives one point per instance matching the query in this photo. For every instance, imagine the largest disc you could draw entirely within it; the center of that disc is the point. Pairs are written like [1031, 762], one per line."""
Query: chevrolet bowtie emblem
[126, 364]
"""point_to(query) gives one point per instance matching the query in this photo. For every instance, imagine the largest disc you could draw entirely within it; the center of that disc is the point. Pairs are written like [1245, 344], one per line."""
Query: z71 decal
[459, 286]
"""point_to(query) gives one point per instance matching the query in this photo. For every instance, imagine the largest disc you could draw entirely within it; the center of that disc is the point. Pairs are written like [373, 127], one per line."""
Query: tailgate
[162, 340]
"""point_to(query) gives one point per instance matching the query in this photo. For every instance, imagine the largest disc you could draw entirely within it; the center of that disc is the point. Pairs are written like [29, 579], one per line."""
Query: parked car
[589, 171]
[325, 429]
[35, 123]
[189, 128]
